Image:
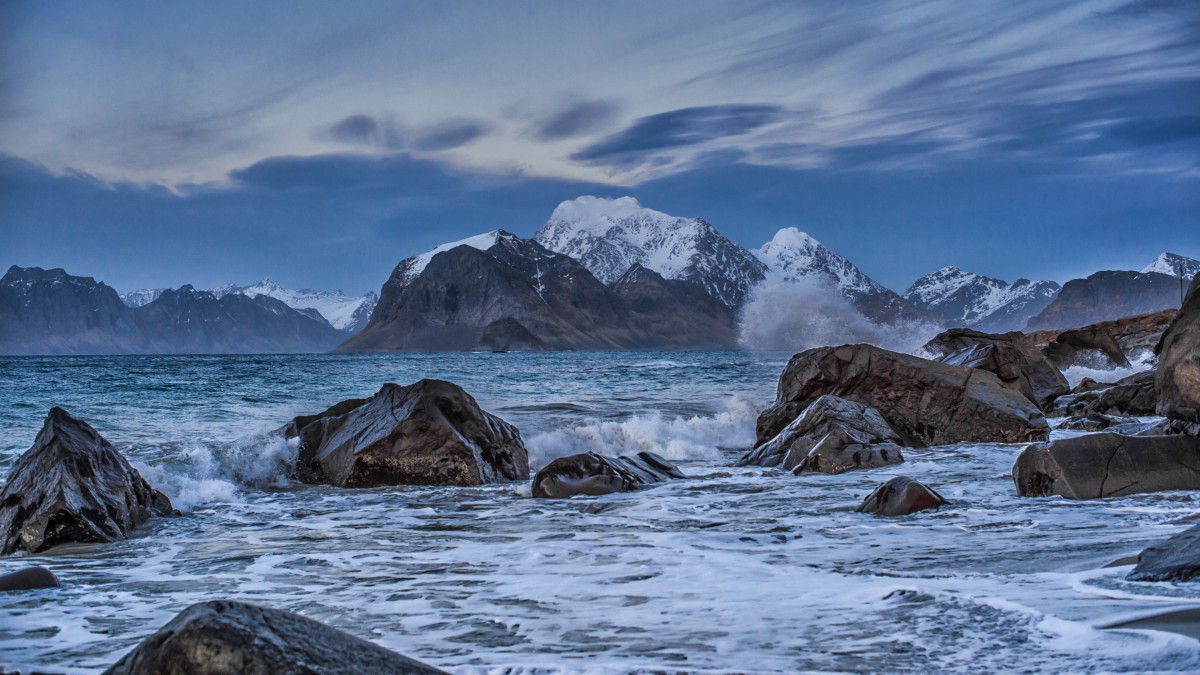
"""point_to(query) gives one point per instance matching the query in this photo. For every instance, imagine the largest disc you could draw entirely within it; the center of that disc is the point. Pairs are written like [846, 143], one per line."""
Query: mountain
[1170, 264]
[608, 236]
[141, 297]
[498, 291]
[682, 312]
[52, 312]
[794, 257]
[975, 301]
[1106, 296]
[343, 312]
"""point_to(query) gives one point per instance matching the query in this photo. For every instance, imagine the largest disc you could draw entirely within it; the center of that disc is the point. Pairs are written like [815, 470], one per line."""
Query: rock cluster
[593, 474]
[1019, 365]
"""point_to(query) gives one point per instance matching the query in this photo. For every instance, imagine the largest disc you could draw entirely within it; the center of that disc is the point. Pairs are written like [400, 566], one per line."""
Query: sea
[731, 570]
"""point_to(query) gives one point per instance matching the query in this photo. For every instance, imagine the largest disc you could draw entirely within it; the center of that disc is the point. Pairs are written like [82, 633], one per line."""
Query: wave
[201, 474]
[1098, 370]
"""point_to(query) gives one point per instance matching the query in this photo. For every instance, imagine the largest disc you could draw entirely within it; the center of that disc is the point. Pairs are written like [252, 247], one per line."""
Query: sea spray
[201, 473]
[1097, 367]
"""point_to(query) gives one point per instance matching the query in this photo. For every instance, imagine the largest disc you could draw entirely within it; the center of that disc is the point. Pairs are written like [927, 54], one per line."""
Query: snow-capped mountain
[141, 298]
[608, 236]
[975, 301]
[340, 310]
[1171, 263]
[411, 268]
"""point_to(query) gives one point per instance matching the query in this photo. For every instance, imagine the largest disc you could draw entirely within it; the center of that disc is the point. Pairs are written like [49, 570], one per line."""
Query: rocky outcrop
[428, 433]
[683, 314]
[73, 486]
[1176, 559]
[225, 637]
[593, 474]
[923, 401]
[1107, 296]
[1089, 346]
[858, 423]
[1019, 365]
[901, 496]
[1133, 395]
[1108, 465]
[1177, 381]
[28, 579]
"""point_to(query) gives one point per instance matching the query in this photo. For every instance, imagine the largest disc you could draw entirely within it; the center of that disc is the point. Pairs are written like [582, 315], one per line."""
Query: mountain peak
[1171, 263]
[791, 237]
[603, 211]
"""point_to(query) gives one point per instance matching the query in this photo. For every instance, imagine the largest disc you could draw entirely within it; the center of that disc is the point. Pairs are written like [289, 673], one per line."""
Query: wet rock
[73, 486]
[428, 433]
[1130, 396]
[1084, 346]
[1181, 621]
[901, 496]
[1094, 422]
[1018, 364]
[863, 424]
[1108, 465]
[1176, 559]
[224, 637]
[593, 474]
[28, 579]
[1178, 378]
[923, 401]
[839, 452]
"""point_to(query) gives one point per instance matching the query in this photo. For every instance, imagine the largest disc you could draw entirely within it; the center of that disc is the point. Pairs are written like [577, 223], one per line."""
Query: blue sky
[156, 144]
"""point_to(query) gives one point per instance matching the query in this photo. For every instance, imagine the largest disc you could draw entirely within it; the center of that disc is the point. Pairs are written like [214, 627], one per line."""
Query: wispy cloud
[576, 119]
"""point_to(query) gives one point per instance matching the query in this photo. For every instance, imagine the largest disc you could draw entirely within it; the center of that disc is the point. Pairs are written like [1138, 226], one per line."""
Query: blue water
[731, 570]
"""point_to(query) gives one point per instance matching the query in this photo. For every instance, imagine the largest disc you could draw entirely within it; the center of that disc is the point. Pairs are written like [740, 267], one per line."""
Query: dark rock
[1019, 365]
[1178, 378]
[1176, 559]
[1094, 422]
[839, 452]
[1181, 621]
[1089, 346]
[593, 474]
[901, 496]
[428, 433]
[862, 424]
[1108, 465]
[73, 486]
[224, 637]
[683, 313]
[1107, 296]
[28, 579]
[1130, 396]
[924, 402]
[508, 334]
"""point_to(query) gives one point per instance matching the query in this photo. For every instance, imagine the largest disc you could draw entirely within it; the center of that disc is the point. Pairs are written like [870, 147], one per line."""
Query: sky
[155, 144]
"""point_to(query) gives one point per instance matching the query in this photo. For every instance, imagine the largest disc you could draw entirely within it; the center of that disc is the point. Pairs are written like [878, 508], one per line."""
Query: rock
[591, 474]
[1130, 396]
[1107, 296]
[901, 496]
[508, 334]
[1093, 422]
[1178, 378]
[683, 312]
[1176, 559]
[863, 424]
[1181, 621]
[1108, 465]
[28, 579]
[428, 433]
[224, 637]
[1089, 346]
[1019, 365]
[839, 452]
[923, 401]
[73, 486]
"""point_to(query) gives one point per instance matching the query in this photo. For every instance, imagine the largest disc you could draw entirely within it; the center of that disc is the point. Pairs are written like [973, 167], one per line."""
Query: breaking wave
[1098, 370]
[199, 474]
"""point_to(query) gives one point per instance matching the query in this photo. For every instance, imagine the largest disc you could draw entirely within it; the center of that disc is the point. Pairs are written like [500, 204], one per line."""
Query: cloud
[677, 128]
[388, 134]
[449, 134]
[576, 119]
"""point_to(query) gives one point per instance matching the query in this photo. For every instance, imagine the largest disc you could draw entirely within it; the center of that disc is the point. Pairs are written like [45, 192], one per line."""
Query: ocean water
[730, 570]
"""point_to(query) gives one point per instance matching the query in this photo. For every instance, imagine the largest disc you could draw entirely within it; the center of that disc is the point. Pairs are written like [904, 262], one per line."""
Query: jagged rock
[864, 425]
[225, 637]
[1133, 395]
[1108, 465]
[839, 452]
[1082, 346]
[428, 433]
[1093, 422]
[28, 579]
[1178, 380]
[1176, 559]
[73, 486]
[589, 473]
[923, 401]
[1019, 365]
[901, 496]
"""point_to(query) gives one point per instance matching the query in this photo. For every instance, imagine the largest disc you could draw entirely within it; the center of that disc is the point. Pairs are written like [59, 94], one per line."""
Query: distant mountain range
[972, 300]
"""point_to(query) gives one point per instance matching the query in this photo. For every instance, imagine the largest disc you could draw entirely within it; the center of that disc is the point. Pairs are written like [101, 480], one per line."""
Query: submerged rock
[1018, 364]
[1108, 465]
[923, 401]
[864, 425]
[28, 579]
[428, 433]
[1133, 395]
[839, 452]
[1178, 378]
[73, 486]
[1176, 559]
[589, 473]
[224, 637]
[901, 496]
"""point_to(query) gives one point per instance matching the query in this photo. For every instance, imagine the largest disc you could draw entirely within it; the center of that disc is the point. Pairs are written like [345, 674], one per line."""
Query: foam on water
[1099, 371]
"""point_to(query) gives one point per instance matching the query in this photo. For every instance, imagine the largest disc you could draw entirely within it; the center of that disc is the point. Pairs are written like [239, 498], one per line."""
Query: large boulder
[839, 452]
[861, 423]
[1108, 465]
[1133, 395]
[923, 401]
[901, 496]
[73, 486]
[428, 433]
[1176, 559]
[1018, 364]
[1178, 378]
[224, 637]
[1091, 346]
[28, 579]
[589, 473]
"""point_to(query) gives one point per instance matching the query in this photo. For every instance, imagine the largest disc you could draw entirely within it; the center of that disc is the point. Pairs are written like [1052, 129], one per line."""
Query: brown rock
[1108, 465]
[1178, 378]
[838, 452]
[1083, 346]
[28, 579]
[1018, 364]
[863, 424]
[593, 474]
[1133, 395]
[901, 496]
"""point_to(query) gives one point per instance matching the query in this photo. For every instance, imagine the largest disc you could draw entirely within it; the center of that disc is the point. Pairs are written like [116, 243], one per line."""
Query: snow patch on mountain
[417, 264]
[1171, 263]
[973, 300]
[141, 297]
[793, 256]
[340, 310]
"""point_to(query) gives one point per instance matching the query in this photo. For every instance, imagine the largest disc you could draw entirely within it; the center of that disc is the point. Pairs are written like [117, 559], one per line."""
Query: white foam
[205, 474]
[1139, 362]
